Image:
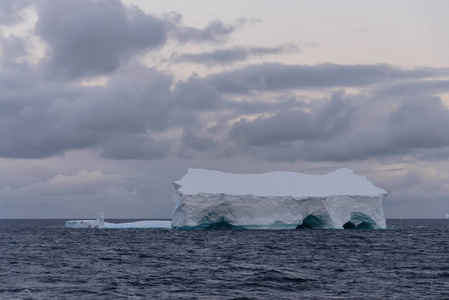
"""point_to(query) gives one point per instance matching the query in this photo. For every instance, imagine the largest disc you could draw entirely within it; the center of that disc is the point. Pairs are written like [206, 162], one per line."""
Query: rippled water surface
[39, 259]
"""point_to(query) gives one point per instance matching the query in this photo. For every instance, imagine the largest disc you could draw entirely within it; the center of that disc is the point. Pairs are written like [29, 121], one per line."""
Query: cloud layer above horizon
[80, 80]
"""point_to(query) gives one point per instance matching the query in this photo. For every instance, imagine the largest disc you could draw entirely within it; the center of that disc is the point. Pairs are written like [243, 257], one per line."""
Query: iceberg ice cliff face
[277, 200]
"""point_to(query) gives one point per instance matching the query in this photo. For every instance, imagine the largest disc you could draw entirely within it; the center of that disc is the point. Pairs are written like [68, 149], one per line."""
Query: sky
[103, 104]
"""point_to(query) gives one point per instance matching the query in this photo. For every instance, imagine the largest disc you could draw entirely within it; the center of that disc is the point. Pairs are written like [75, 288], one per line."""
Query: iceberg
[100, 223]
[277, 200]
[151, 224]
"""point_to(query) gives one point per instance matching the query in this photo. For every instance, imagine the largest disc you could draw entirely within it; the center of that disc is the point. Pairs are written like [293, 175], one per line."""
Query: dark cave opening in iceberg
[312, 222]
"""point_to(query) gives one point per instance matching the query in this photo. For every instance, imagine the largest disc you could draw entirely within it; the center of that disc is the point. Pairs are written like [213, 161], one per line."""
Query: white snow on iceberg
[289, 200]
[151, 224]
[99, 223]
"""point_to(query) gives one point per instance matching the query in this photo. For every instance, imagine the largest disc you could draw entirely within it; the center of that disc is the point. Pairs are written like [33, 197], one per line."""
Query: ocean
[40, 259]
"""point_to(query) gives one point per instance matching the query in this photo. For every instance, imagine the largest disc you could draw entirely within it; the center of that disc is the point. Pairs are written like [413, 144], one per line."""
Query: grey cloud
[16, 73]
[190, 100]
[196, 94]
[12, 50]
[421, 123]
[256, 105]
[412, 88]
[135, 100]
[330, 121]
[190, 140]
[214, 32]
[282, 127]
[123, 116]
[37, 131]
[127, 119]
[48, 118]
[88, 38]
[142, 111]
[441, 153]
[134, 146]
[416, 208]
[84, 183]
[275, 76]
[418, 128]
[363, 145]
[13, 61]
[231, 55]
[394, 116]
[93, 38]
[10, 11]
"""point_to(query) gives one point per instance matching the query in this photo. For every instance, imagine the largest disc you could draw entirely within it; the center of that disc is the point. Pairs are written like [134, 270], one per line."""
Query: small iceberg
[153, 224]
[100, 223]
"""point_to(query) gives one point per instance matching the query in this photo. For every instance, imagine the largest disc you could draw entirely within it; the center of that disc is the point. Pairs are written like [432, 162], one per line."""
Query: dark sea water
[40, 259]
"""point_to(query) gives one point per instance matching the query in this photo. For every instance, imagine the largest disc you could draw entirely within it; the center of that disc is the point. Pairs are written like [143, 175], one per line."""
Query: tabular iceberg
[150, 224]
[100, 223]
[277, 200]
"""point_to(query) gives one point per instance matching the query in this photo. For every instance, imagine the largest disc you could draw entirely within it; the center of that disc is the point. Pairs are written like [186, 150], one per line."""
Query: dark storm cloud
[228, 56]
[10, 11]
[275, 76]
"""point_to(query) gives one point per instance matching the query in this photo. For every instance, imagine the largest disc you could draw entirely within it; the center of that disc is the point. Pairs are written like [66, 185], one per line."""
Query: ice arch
[314, 222]
[360, 221]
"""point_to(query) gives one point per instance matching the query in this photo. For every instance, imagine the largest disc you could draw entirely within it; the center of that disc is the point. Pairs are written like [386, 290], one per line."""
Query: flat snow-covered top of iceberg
[153, 224]
[339, 182]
